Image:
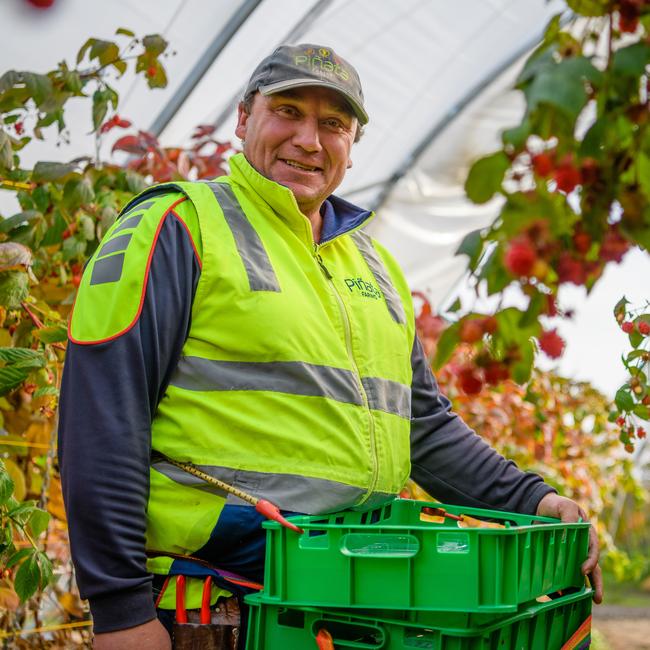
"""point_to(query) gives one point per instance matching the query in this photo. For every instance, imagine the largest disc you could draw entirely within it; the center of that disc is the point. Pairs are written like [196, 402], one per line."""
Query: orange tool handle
[181, 612]
[205, 601]
[271, 511]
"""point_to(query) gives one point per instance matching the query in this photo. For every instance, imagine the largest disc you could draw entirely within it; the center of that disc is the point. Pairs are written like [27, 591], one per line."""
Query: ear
[242, 120]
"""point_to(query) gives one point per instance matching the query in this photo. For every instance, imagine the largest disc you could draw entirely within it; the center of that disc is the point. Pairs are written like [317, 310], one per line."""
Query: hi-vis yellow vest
[294, 382]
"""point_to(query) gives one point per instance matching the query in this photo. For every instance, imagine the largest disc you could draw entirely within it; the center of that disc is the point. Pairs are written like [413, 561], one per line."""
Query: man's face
[301, 139]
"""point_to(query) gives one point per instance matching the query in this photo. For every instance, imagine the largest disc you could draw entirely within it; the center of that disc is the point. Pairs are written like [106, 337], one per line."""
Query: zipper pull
[319, 259]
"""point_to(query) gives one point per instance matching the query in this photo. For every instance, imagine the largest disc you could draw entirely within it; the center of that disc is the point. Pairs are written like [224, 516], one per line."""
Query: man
[250, 327]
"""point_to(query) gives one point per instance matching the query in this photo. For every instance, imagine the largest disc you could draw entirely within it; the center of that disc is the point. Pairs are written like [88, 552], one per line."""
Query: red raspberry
[581, 242]
[551, 343]
[471, 331]
[567, 176]
[640, 432]
[646, 400]
[470, 380]
[629, 447]
[520, 257]
[19, 127]
[489, 324]
[614, 246]
[570, 270]
[620, 421]
[628, 327]
[589, 170]
[628, 25]
[542, 164]
[644, 328]
[496, 372]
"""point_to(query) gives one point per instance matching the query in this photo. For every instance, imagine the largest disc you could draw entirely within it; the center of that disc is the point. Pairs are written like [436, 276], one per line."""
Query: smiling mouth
[296, 165]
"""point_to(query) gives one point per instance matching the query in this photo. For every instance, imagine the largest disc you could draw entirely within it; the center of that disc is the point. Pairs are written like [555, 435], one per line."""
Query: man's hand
[148, 636]
[553, 505]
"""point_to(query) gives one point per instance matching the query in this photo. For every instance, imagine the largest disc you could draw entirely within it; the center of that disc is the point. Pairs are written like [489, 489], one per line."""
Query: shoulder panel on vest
[113, 286]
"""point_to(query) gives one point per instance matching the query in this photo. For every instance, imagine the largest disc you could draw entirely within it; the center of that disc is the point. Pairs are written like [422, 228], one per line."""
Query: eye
[289, 111]
[334, 123]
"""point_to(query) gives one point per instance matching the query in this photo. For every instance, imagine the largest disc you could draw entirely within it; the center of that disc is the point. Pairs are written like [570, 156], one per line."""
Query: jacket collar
[339, 216]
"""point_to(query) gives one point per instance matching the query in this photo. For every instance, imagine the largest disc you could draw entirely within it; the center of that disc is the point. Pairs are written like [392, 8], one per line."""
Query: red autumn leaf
[130, 144]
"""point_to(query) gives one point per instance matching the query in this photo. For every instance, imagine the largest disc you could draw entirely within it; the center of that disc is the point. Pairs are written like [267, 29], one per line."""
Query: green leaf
[120, 66]
[7, 225]
[518, 135]
[100, 108]
[642, 411]
[18, 556]
[593, 143]
[643, 165]
[6, 151]
[623, 399]
[54, 234]
[446, 345]
[73, 82]
[38, 522]
[522, 370]
[455, 306]
[125, 32]
[39, 86]
[620, 307]
[485, 177]
[14, 355]
[155, 44]
[14, 288]
[472, 246]
[562, 86]
[631, 60]
[46, 390]
[73, 247]
[28, 578]
[84, 48]
[10, 378]
[588, 7]
[51, 334]
[52, 171]
[9, 79]
[47, 575]
[6, 484]
[106, 52]
[636, 338]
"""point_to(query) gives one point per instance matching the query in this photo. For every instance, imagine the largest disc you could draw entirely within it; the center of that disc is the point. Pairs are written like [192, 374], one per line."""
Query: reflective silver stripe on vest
[261, 275]
[389, 396]
[287, 491]
[293, 377]
[115, 244]
[380, 273]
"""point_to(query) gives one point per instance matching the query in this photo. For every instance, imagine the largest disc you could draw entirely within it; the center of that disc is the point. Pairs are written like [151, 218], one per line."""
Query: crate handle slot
[351, 634]
[379, 545]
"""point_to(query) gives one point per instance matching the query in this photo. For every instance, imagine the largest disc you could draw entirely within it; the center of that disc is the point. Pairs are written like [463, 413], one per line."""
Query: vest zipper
[357, 373]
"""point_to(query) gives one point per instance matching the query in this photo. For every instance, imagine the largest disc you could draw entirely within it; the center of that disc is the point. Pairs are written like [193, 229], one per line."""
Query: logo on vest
[363, 288]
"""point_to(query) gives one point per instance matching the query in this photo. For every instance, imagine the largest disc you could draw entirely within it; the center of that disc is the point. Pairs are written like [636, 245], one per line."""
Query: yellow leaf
[17, 476]
[8, 599]
[71, 604]
[55, 501]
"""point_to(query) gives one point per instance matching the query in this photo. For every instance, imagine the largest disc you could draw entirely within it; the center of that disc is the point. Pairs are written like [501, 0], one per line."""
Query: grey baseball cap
[294, 66]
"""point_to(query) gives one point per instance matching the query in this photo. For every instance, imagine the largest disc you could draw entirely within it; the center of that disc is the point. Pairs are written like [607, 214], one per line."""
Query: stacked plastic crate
[411, 574]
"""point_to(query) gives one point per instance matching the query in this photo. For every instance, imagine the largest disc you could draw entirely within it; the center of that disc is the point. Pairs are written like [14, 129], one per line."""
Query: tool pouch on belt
[216, 629]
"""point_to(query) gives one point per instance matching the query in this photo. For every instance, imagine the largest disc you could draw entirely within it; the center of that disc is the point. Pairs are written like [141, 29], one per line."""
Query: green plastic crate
[387, 558]
[537, 626]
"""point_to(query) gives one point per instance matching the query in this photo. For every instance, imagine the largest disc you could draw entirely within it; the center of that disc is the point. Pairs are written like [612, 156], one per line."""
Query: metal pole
[202, 65]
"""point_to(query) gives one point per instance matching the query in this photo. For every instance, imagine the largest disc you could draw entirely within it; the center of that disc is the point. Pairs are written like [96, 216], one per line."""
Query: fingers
[590, 566]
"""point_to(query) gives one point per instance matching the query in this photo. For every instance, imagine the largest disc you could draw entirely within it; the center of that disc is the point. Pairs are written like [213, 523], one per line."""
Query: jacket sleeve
[455, 465]
[110, 391]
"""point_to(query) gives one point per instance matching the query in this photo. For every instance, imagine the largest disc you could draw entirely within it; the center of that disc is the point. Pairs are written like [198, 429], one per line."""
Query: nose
[306, 135]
